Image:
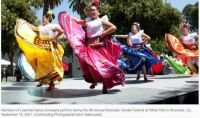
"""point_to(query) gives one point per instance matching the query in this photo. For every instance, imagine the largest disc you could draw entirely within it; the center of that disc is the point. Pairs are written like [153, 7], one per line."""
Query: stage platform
[160, 89]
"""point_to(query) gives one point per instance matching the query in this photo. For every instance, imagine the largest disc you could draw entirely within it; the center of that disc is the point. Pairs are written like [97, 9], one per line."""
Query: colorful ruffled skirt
[137, 55]
[177, 47]
[100, 63]
[44, 58]
[178, 68]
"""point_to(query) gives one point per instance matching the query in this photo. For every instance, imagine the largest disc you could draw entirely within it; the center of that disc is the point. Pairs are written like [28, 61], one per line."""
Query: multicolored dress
[98, 63]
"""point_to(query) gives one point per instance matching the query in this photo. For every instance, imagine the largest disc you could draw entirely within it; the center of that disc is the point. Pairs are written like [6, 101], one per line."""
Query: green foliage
[175, 31]
[49, 4]
[66, 46]
[158, 44]
[11, 10]
[80, 6]
[190, 13]
[154, 16]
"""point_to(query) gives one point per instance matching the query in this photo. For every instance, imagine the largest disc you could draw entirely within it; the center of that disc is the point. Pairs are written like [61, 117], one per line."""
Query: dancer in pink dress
[97, 54]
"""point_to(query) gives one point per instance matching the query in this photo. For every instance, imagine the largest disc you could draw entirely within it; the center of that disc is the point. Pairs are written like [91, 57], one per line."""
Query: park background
[156, 17]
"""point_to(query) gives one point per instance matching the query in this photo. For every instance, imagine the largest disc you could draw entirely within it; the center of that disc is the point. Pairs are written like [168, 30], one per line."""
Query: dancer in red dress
[97, 54]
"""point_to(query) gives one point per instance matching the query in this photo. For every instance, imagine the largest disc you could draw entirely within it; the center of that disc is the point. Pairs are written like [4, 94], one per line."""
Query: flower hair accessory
[185, 25]
[96, 3]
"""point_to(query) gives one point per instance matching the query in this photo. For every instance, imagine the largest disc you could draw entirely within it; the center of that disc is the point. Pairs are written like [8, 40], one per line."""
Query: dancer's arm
[181, 40]
[196, 44]
[197, 41]
[196, 36]
[146, 38]
[110, 28]
[129, 42]
[80, 22]
[59, 33]
[121, 36]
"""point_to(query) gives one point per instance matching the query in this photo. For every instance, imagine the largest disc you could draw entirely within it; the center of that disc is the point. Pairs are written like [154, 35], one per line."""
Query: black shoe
[138, 77]
[39, 85]
[93, 85]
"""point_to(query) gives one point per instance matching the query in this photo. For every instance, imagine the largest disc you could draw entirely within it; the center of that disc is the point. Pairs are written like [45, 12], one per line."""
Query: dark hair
[50, 17]
[137, 25]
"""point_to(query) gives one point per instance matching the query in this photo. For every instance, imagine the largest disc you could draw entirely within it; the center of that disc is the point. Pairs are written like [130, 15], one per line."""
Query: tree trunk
[11, 58]
[45, 8]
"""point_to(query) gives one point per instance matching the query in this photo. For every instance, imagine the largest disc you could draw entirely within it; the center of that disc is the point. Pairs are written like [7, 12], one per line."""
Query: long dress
[178, 48]
[40, 53]
[135, 62]
[99, 64]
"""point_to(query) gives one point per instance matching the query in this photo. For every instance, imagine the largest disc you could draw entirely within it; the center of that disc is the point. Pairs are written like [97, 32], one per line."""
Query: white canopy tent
[5, 62]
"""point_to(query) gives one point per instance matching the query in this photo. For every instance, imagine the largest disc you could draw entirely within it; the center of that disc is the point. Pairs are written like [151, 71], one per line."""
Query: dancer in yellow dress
[42, 51]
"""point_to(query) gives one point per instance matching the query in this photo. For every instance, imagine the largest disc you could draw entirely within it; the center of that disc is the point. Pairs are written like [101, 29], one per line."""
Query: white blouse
[48, 30]
[94, 28]
[136, 38]
[189, 39]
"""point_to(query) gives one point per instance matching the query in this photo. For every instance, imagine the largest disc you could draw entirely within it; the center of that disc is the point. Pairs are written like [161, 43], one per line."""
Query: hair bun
[137, 24]
[50, 13]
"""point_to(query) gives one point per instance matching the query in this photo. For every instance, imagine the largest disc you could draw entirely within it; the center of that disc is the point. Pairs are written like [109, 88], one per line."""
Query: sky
[178, 4]
[63, 7]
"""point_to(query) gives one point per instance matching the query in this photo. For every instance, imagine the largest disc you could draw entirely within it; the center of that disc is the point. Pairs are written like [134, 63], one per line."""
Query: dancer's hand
[193, 47]
[102, 35]
[53, 40]
[143, 42]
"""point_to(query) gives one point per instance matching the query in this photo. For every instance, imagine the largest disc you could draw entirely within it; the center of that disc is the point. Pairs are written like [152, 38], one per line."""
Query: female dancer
[99, 57]
[188, 41]
[141, 57]
[47, 68]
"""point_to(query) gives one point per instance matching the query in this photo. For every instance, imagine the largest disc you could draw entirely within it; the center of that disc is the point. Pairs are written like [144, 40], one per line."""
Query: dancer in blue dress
[141, 57]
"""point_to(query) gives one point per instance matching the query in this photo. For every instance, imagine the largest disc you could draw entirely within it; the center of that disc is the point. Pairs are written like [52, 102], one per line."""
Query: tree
[11, 10]
[79, 6]
[50, 4]
[190, 13]
[154, 16]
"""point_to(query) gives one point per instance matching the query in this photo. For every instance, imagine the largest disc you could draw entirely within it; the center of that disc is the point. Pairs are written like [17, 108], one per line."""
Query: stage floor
[76, 91]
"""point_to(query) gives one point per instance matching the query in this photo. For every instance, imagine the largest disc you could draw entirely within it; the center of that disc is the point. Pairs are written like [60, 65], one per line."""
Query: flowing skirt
[178, 68]
[158, 67]
[43, 57]
[137, 57]
[177, 47]
[99, 64]
[25, 67]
